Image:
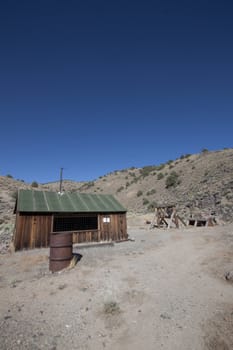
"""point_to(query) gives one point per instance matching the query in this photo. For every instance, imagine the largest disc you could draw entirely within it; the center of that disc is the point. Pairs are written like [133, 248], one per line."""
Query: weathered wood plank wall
[33, 231]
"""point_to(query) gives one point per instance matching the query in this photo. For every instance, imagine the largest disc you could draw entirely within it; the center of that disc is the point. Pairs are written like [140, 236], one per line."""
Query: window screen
[79, 223]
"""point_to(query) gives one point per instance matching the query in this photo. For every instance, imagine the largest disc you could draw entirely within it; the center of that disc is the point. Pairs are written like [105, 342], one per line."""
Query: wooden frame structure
[166, 217]
[202, 222]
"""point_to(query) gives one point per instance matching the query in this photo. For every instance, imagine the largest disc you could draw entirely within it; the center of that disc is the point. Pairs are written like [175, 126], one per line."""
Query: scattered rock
[7, 317]
[165, 316]
[229, 276]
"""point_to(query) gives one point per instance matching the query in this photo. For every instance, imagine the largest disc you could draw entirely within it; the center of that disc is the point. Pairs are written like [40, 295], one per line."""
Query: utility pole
[61, 171]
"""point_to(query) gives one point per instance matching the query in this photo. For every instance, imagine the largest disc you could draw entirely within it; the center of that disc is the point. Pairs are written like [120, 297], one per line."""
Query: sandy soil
[164, 290]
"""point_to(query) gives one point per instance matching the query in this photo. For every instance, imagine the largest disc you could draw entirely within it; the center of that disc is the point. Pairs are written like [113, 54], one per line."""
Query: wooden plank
[171, 220]
[181, 220]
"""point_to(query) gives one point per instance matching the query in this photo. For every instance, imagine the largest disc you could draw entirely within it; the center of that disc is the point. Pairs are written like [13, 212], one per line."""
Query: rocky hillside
[198, 184]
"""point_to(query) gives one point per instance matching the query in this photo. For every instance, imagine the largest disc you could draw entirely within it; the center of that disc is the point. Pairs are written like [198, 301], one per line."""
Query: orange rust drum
[60, 251]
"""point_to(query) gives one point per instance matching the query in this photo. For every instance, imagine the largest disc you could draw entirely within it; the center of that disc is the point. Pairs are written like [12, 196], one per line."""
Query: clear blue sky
[99, 86]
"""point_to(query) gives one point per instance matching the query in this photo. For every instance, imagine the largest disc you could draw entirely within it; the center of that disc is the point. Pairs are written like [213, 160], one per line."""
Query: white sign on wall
[106, 219]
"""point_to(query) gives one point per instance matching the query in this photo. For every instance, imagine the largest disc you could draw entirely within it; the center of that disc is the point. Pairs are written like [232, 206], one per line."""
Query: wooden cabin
[90, 218]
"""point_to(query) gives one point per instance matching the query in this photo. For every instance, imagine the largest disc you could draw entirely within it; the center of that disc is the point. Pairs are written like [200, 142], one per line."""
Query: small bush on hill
[160, 176]
[185, 156]
[120, 189]
[160, 167]
[169, 162]
[14, 194]
[132, 174]
[172, 180]
[149, 193]
[135, 180]
[89, 184]
[145, 171]
[152, 206]
[145, 201]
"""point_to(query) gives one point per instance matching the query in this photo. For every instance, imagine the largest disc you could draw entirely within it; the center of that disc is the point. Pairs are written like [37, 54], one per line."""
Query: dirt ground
[164, 289]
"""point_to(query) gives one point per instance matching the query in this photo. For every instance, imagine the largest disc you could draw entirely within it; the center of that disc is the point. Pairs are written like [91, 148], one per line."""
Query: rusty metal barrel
[60, 251]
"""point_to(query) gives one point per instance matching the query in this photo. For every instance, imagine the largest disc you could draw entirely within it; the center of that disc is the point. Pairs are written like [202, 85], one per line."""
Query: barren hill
[198, 184]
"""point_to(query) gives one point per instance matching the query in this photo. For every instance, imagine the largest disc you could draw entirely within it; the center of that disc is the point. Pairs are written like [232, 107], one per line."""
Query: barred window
[71, 223]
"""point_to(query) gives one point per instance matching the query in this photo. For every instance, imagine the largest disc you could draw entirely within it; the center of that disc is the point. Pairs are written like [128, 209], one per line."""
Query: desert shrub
[120, 189]
[9, 176]
[132, 174]
[185, 156]
[127, 184]
[87, 185]
[204, 150]
[229, 196]
[203, 181]
[149, 193]
[169, 162]
[145, 201]
[152, 206]
[34, 184]
[14, 194]
[139, 193]
[135, 180]
[111, 307]
[160, 167]
[172, 180]
[146, 170]
[160, 176]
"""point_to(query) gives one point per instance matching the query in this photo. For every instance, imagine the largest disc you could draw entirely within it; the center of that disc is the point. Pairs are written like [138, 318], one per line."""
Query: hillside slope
[201, 184]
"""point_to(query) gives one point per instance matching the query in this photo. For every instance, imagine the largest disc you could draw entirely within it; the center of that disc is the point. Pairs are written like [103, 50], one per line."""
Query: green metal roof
[43, 201]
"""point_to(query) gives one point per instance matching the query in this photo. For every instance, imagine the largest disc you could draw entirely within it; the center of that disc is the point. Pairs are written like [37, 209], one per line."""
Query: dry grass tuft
[111, 308]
